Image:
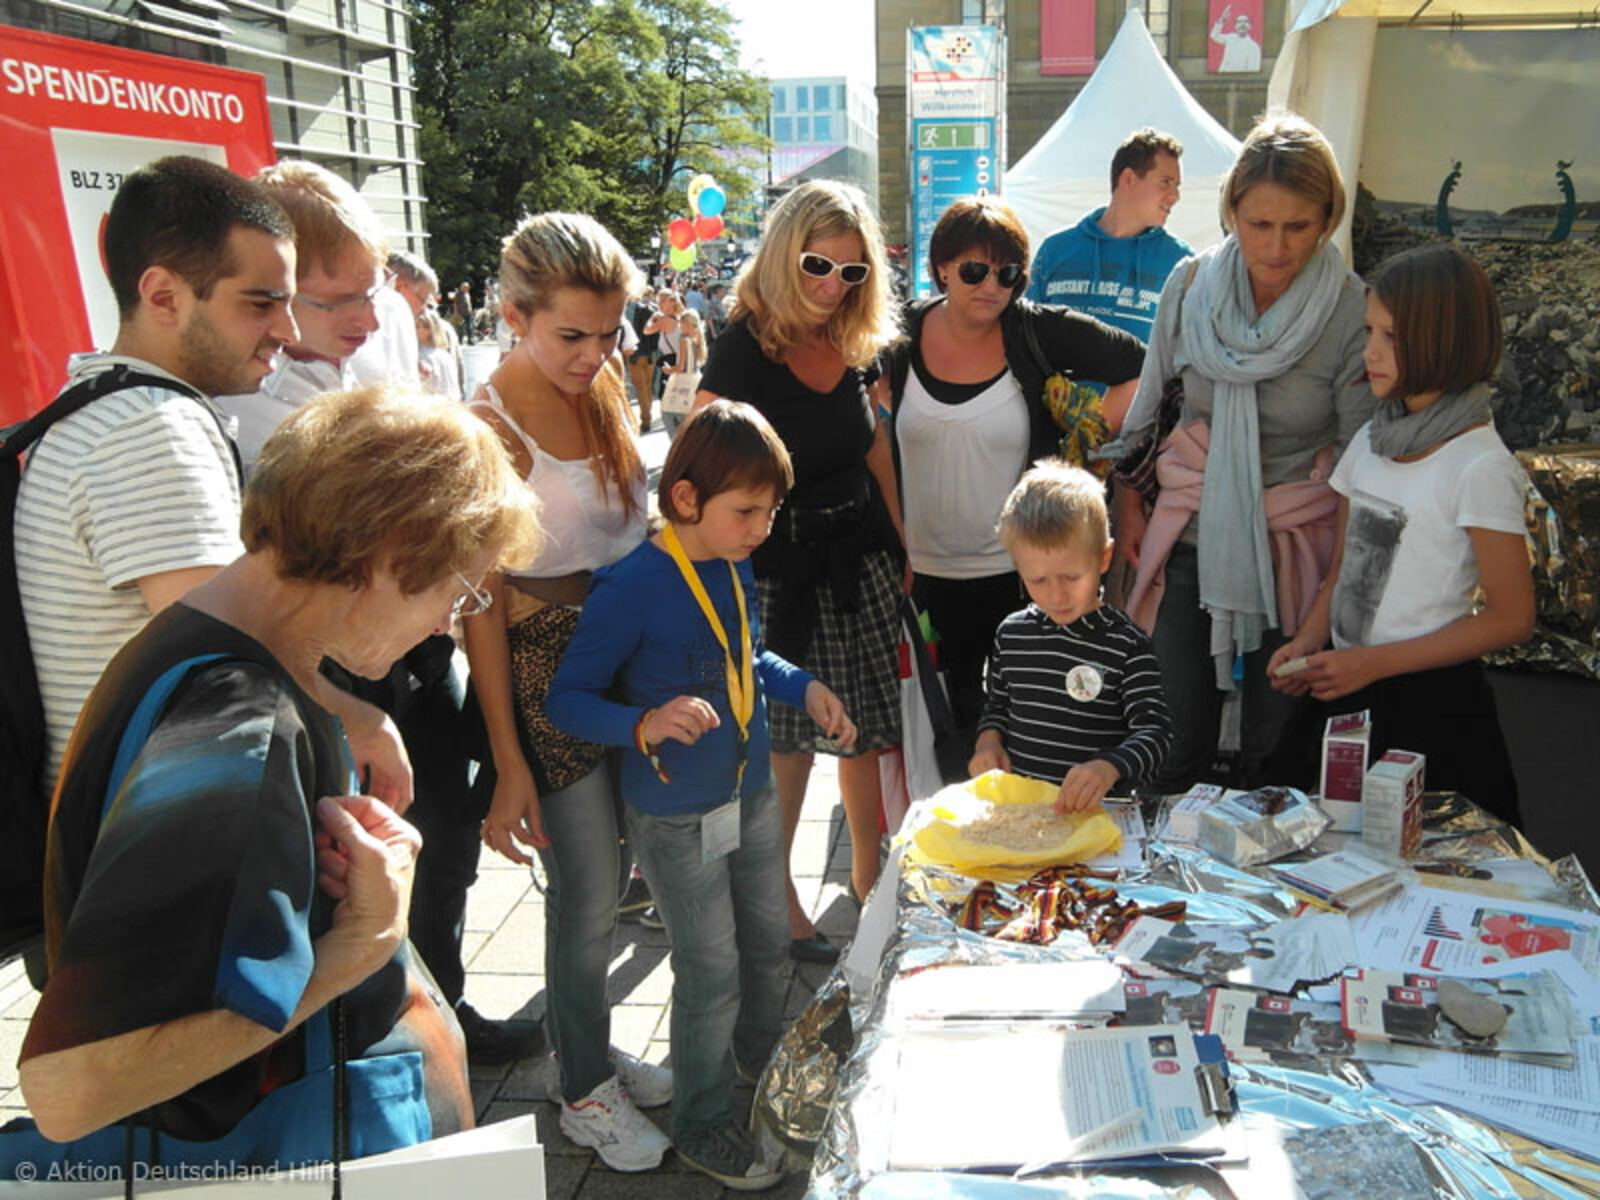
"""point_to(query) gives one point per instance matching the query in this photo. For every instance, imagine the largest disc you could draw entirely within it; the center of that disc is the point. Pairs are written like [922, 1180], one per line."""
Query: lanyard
[741, 683]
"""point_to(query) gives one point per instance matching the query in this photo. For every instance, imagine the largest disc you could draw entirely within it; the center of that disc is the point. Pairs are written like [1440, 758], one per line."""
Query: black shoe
[651, 918]
[491, 1043]
[814, 949]
[636, 899]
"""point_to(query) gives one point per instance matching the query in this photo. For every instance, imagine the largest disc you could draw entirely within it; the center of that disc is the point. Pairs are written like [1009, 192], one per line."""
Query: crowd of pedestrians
[242, 566]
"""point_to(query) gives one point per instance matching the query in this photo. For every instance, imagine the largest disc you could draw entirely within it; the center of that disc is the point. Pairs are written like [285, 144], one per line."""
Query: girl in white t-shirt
[1430, 512]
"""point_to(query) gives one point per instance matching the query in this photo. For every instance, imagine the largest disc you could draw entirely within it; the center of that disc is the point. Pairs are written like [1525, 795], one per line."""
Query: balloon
[697, 185]
[712, 201]
[682, 259]
[681, 233]
[708, 228]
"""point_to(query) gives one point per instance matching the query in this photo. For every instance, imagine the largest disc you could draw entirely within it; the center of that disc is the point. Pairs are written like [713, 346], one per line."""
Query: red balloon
[681, 233]
[708, 228]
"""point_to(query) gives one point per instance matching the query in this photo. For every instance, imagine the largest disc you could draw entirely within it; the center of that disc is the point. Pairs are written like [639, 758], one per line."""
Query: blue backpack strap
[137, 732]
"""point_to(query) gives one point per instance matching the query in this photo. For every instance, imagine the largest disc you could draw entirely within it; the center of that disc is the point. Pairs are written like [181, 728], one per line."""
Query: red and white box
[1344, 768]
[1391, 803]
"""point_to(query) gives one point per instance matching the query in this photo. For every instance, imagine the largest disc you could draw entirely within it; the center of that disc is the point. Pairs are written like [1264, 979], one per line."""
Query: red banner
[75, 117]
[1233, 46]
[1066, 37]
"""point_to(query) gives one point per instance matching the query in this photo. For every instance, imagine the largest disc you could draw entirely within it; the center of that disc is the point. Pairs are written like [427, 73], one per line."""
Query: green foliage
[605, 108]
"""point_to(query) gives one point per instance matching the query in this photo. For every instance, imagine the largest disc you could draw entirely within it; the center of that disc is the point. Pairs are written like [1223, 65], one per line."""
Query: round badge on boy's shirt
[1084, 682]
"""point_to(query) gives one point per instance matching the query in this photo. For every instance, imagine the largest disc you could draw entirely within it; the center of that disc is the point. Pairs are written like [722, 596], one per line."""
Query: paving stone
[633, 1025]
[494, 896]
[11, 1035]
[502, 996]
[517, 945]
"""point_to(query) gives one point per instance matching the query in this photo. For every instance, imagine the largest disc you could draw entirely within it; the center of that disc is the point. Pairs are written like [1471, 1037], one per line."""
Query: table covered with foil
[1311, 1118]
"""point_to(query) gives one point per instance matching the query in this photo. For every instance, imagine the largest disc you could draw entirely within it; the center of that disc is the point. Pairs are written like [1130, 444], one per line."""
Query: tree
[604, 108]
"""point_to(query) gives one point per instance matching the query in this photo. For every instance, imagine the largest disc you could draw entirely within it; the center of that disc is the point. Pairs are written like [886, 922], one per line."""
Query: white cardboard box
[1391, 803]
[1344, 768]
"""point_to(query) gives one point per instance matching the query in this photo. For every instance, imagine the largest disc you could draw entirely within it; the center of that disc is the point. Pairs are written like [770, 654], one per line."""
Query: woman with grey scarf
[1430, 517]
[1265, 332]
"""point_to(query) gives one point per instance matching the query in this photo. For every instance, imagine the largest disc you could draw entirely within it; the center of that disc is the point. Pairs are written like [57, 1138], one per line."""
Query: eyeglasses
[820, 266]
[974, 271]
[471, 603]
[349, 302]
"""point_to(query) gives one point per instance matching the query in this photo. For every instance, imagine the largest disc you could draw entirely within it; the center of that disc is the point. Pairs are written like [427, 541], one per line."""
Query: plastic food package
[965, 833]
[1259, 826]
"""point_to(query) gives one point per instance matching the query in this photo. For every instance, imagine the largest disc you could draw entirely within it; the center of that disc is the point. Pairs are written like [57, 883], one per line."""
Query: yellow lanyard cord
[741, 683]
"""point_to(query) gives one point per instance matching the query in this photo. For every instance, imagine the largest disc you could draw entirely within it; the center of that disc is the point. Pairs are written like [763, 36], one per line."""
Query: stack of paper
[1086, 990]
[1346, 880]
[1405, 1007]
[1081, 1095]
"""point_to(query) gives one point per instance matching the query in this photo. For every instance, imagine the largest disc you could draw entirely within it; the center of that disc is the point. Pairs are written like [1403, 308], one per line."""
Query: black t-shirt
[827, 434]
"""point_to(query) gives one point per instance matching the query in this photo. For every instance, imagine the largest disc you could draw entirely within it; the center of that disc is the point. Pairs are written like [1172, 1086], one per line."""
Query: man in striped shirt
[130, 502]
[1073, 691]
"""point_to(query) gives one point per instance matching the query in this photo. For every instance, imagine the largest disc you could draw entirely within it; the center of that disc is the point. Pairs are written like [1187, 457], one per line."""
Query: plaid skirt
[856, 654]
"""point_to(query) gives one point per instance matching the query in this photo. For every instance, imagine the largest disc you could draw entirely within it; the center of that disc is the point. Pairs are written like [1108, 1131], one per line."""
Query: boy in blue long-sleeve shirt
[673, 628]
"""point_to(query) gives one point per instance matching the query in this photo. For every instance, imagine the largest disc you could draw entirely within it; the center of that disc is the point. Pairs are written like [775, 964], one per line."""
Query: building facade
[338, 78]
[823, 127]
[1034, 100]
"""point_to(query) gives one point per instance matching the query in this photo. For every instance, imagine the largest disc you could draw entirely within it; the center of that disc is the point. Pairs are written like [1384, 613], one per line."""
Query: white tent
[1067, 173]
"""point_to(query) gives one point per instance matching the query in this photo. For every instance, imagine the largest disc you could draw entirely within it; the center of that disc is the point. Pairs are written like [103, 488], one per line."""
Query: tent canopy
[1067, 173]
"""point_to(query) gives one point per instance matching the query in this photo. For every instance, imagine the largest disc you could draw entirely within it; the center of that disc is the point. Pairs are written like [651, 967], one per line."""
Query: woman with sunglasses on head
[811, 313]
[967, 393]
[560, 406]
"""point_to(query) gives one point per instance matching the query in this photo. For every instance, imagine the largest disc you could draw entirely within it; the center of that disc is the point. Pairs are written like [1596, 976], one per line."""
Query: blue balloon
[712, 201]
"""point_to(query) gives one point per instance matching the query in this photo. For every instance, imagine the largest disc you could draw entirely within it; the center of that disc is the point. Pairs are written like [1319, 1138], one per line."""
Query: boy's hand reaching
[827, 710]
[683, 719]
[989, 755]
[1086, 785]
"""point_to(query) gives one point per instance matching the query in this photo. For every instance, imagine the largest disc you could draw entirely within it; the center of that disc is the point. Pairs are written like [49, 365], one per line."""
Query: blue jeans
[582, 865]
[671, 421]
[1182, 641]
[729, 925]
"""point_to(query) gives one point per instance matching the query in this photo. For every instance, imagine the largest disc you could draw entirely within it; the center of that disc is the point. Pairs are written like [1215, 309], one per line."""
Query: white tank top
[582, 531]
[983, 444]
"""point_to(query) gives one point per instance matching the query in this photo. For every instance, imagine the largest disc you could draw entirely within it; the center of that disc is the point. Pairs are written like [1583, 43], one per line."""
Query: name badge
[719, 832]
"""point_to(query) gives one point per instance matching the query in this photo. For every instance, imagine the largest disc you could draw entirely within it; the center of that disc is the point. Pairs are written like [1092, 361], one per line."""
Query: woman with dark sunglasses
[967, 393]
[810, 316]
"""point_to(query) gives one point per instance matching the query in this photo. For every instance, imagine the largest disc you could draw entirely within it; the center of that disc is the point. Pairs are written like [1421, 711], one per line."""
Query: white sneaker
[607, 1122]
[648, 1085]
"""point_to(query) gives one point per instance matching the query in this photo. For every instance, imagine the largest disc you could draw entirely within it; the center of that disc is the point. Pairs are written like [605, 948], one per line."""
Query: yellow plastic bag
[944, 842]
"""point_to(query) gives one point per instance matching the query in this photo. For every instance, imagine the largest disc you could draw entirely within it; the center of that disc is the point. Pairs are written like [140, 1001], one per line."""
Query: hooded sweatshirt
[1117, 280]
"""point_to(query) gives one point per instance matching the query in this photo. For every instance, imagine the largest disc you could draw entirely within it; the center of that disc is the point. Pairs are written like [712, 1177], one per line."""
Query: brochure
[1405, 1007]
[1093, 1095]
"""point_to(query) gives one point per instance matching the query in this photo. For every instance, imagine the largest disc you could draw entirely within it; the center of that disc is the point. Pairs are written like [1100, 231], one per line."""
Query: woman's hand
[1335, 673]
[375, 744]
[1086, 785]
[682, 719]
[1295, 654]
[989, 754]
[366, 857]
[1130, 523]
[827, 710]
[514, 814]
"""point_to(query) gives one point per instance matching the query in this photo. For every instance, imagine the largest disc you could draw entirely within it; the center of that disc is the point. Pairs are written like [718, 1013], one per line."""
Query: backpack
[24, 805]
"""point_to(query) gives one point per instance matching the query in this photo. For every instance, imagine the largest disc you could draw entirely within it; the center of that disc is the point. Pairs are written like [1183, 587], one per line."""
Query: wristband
[644, 746]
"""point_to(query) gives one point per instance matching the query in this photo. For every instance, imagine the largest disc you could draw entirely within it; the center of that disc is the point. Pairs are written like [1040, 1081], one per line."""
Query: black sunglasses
[820, 266]
[973, 272]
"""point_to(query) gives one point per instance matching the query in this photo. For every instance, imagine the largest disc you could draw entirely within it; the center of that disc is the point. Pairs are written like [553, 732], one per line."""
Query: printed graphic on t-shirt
[1371, 540]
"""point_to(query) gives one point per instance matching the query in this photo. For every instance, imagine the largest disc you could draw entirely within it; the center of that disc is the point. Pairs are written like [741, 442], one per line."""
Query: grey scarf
[1227, 342]
[1397, 432]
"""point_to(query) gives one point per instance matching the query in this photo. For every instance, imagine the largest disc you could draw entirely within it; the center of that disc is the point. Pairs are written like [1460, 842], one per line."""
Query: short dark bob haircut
[984, 223]
[726, 445]
[1447, 332]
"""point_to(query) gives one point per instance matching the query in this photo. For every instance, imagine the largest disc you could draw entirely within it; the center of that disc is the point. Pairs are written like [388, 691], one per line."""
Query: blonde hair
[552, 251]
[769, 290]
[1055, 505]
[386, 476]
[1290, 151]
[331, 220]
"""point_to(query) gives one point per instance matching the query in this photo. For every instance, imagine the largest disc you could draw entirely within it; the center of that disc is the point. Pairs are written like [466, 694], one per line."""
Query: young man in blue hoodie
[1113, 263]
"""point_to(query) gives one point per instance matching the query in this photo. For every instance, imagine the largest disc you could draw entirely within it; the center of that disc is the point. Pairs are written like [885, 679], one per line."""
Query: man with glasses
[342, 277]
[1113, 263]
[341, 268]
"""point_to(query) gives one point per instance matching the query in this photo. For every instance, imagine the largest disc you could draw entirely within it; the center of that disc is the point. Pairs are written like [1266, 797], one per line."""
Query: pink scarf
[1299, 527]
